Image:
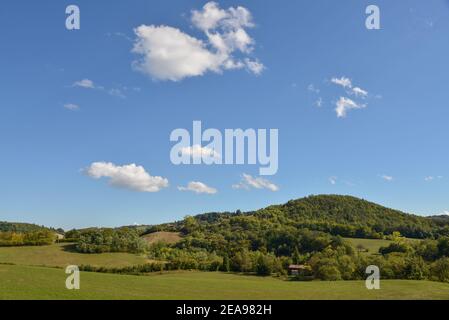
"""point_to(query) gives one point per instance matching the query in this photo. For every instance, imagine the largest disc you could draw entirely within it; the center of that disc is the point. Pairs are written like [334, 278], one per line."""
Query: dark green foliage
[21, 227]
[110, 240]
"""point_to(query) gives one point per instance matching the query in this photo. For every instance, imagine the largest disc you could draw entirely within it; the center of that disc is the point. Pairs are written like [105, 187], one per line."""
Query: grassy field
[22, 282]
[62, 255]
[371, 245]
[165, 237]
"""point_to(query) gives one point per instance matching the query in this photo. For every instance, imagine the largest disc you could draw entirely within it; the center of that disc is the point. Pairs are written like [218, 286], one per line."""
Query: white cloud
[343, 81]
[198, 152]
[89, 84]
[445, 213]
[387, 178]
[168, 53]
[333, 180]
[359, 92]
[71, 107]
[199, 188]
[212, 17]
[85, 83]
[319, 103]
[130, 176]
[249, 182]
[254, 66]
[347, 84]
[346, 104]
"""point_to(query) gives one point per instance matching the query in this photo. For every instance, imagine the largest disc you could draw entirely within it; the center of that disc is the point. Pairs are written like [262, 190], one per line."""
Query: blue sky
[392, 148]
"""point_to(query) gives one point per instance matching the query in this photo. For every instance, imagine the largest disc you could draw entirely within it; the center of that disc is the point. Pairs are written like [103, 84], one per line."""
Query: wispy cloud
[131, 176]
[311, 87]
[387, 178]
[85, 83]
[359, 92]
[346, 104]
[89, 84]
[72, 107]
[249, 182]
[333, 180]
[199, 188]
[343, 81]
[432, 178]
[168, 53]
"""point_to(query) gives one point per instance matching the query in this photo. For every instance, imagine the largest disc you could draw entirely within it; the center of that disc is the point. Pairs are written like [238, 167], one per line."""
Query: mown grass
[62, 255]
[23, 282]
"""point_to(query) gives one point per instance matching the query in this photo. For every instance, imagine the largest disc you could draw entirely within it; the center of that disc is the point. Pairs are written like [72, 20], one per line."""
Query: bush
[264, 267]
[440, 270]
[328, 273]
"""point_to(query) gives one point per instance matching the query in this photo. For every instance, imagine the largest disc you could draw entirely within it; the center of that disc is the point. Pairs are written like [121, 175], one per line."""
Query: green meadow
[24, 282]
[62, 255]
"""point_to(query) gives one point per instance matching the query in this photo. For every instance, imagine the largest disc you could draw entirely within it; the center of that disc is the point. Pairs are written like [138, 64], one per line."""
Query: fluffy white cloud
[130, 176]
[387, 178]
[85, 83]
[249, 182]
[71, 107]
[445, 213]
[199, 188]
[168, 53]
[346, 104]
[343, 81]
[198, 152]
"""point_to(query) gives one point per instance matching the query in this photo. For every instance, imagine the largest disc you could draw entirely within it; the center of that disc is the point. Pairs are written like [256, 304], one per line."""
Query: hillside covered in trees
[21, 227]
[308, 231]
[345, 216]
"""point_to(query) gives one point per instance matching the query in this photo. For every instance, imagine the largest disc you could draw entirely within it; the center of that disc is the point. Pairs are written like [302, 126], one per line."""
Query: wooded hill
[346, 216]
[21, 227]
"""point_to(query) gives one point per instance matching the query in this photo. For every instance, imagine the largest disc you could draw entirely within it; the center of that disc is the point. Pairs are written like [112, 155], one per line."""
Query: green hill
[338, 215]
[21, 227]
[351, 217]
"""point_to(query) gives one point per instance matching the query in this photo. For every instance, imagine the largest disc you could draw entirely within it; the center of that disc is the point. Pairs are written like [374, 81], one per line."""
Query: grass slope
[372, 245]
[21, 282]
[62, 255]
[165, 237]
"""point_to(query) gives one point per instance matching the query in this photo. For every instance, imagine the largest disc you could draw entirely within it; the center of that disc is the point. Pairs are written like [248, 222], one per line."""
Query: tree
[226, 266]
[264, 267]
[440, 270]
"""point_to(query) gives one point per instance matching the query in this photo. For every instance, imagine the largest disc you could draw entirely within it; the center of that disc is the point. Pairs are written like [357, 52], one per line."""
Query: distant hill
[350, 216]
[21, 227]
[346, 216]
